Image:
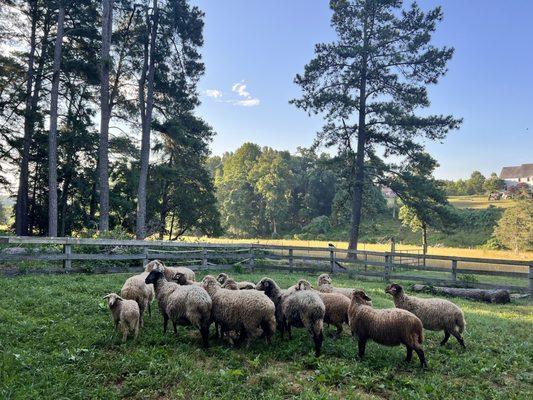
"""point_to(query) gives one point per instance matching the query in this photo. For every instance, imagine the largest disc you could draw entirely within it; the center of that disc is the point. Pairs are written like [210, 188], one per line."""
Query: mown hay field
[478, 202]
[57, 341]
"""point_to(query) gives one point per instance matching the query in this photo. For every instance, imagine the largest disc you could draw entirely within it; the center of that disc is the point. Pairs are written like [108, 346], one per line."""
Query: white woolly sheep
[125, 313]
[435, 314]
[136, 289]
[389, 327]
[183, 305]
[242, 285]
[245, 311]
[336, 307]
[324, 285]
[304, 309]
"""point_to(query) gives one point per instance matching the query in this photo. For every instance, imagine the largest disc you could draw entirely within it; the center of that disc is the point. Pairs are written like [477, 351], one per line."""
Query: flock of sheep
[242, 311]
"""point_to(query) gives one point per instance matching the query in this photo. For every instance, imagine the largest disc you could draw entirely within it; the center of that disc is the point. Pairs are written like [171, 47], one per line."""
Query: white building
[514, 175]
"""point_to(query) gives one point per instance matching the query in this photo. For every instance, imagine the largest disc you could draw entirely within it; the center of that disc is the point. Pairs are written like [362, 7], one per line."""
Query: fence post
[291, 261]
[386, 271]
[145, 259]
[67, 262]
[454, 271]
[366, 259]
[204, 257]
[531, 280]
[252, 259]
[331, 261]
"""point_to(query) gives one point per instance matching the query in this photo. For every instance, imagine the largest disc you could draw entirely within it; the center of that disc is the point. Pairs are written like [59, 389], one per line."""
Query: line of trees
[134, 65]
[476, 184]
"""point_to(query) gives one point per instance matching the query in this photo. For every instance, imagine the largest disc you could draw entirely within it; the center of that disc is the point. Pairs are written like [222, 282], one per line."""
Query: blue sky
[254, 48]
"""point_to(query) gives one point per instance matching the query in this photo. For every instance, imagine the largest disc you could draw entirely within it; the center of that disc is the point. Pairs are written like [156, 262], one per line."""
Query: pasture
[57, 341]
[478, 202]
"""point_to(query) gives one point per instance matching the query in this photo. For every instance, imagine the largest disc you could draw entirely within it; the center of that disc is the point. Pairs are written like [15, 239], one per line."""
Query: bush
[515, 228]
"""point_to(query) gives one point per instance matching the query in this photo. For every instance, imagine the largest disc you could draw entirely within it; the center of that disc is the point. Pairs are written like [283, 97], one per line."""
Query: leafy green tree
[515, 228]
[493, 184]
[475, 183]
[369, 84]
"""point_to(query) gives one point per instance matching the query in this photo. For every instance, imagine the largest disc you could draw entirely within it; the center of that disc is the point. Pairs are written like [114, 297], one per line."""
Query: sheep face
[210, 284]
[112, 299]
[360, 297]
[154, 264]
[222, 278]
[393, 289]
[303, 285]
[265, 285]
[324, 279]
[154, 276]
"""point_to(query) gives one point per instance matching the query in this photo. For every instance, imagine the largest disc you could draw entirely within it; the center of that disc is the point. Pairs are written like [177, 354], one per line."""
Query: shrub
[515, 228]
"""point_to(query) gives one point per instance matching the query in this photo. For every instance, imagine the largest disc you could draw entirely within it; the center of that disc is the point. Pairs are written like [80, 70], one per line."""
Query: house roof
[522, 171]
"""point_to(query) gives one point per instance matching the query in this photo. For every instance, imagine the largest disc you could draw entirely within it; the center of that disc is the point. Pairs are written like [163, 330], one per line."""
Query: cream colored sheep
[126, 314]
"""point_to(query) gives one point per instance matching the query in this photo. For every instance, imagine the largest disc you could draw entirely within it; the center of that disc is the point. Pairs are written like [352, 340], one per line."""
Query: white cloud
[251, 102]
[240, 89]
[248, 101]
[214, 93]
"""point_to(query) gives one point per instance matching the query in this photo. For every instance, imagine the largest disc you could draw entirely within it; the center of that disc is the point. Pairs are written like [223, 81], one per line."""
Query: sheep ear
[107, 296]
[120, 298]
[366, 297]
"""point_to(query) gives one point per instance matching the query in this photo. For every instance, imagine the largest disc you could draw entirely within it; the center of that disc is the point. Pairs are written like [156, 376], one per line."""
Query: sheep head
[112, 299]
[210, 284]
[324, 279]
[303, 285]
[222, 278]
[360, 297]
[393, 289]
[180, 278]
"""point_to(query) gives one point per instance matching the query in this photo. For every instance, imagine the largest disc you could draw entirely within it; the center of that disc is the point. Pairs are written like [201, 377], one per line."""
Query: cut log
[500, 296]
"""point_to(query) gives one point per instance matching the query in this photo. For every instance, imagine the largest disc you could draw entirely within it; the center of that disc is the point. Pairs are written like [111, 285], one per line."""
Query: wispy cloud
[249, 100]
[244, 99]
[214, 93]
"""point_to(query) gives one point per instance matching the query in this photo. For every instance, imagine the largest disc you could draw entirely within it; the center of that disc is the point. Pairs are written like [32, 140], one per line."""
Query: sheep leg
[459, 339]
[136, 330]
[175, 326]
[141, 314]
[149, 309]
[361, 345]
[165, 322]
[446, 337]
[116, 325]
[337, 334]
[422, 357]
[204, 330]
[409, 356]
[318, 339]
[125, 332]
[289, 330]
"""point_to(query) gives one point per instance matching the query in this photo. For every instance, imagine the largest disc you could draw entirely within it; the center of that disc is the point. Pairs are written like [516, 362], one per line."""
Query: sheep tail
[460, 323]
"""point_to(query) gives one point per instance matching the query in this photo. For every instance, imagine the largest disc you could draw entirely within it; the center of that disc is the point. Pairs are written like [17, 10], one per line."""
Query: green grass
[56, 341]
[478, 202]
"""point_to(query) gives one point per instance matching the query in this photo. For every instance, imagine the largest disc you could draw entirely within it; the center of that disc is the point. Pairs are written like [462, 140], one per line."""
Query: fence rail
[460, 271]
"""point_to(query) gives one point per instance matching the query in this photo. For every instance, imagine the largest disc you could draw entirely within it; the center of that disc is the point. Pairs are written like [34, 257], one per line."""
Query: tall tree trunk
[424, 243]
[105, 115]
[52, 139]
[21, 209]
[146, 117]
[63, 203]
[357, 200]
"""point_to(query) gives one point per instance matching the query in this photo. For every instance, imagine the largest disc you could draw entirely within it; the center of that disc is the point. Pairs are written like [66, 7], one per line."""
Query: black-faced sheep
[136, 289]
[125, 313]
[181, 279]
[245, 311]
[222, 278]
[390, 327]
[183, 305]
[435, 314]
[170, 272]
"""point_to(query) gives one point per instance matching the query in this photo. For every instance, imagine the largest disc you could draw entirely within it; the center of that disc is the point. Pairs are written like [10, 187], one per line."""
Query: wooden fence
[56, 255]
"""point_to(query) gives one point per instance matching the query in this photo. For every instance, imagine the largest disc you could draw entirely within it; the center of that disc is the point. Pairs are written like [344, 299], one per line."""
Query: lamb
[135, 289]
[435, 314]
[125, 313]
[230, 284]
[390, 327]
[184, 305]
[336, 307]
[304, 308]
[243, 285]
[244, 311]
[324, 285]
[170, 272]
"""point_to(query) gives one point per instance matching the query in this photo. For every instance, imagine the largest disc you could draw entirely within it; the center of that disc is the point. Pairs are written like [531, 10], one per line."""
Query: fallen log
[500, 296]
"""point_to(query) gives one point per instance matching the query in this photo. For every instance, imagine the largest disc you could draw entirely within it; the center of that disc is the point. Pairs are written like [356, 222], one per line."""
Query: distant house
[514, 175]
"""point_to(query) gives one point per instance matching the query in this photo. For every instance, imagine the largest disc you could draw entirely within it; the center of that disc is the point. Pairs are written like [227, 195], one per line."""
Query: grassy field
[478, 202]
[56, 341]
[441, 251]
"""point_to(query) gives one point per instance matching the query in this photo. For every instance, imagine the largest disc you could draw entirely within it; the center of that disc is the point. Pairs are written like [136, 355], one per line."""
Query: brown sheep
[435, 314]
[389, 327]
